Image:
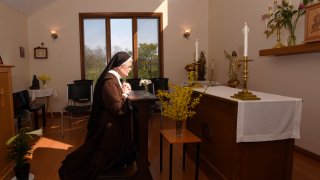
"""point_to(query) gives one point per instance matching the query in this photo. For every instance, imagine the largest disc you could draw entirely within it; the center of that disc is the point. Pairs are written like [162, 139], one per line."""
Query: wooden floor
[52, 148]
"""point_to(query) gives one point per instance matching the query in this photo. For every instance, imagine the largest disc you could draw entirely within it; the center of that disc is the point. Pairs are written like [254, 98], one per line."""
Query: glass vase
[291, 39]
[146, 92]
[179, 124]
[44, 85]
[278, 44]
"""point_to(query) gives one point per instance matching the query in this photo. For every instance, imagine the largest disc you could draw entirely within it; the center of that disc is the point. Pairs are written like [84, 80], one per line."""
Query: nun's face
[125, 68]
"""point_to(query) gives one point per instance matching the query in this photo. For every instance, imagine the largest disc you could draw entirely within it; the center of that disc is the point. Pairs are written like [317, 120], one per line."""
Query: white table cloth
[274, 117]
[47, 92]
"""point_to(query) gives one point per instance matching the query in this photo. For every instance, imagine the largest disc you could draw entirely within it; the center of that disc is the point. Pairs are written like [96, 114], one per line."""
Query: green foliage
[94, 62]
[19, 146]
[179, 104]
[148, 60]
[286, 16]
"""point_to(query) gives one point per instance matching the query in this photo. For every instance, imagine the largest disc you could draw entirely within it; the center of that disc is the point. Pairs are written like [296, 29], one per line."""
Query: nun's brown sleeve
[112, 96]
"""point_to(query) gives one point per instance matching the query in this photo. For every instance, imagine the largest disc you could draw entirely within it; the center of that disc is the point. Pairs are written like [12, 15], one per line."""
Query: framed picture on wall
[312, 23]
[40, 53]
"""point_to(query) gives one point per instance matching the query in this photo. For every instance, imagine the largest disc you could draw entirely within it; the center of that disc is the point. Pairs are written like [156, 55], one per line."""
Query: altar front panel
[222, 157]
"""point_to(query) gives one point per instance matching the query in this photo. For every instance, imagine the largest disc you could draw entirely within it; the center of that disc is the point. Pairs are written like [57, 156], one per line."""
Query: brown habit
[111, 143]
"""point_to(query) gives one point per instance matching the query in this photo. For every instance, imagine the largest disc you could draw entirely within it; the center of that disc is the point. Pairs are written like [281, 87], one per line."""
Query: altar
[244, 140]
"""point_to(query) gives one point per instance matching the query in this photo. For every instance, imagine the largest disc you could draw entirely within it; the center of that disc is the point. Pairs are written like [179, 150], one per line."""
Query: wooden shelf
[298, 49]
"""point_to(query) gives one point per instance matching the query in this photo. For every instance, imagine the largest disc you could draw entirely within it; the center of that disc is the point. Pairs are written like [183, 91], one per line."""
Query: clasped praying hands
[126, 88]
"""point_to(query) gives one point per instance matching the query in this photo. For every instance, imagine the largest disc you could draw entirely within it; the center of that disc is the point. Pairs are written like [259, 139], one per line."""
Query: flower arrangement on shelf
[44, 78]
[145, 83]
[20, 148]
[284, 15]
[179, 103]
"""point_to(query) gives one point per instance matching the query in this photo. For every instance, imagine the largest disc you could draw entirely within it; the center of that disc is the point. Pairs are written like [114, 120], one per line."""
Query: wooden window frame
[134, 17]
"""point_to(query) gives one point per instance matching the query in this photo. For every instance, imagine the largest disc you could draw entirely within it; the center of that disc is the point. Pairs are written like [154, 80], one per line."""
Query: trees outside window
[102, 35]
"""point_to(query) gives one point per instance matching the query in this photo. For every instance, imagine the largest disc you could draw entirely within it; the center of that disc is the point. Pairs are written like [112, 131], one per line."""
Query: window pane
[95, 47]
[148, 56]
[121, 35]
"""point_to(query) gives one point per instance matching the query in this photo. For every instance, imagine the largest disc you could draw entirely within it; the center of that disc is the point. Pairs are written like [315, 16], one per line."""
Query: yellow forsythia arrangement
[179, 104]
[44, 78]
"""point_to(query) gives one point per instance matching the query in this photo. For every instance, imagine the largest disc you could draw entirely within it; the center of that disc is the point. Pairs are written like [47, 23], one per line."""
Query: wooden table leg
[197, 161]
[170, 163]
[44, 121]
[160, 152]
[183, 156]
[48, 106]
[36, 126]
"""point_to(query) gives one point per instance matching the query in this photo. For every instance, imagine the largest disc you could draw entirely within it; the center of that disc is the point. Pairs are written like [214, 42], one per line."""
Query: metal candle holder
[196, 83]
[245, 94]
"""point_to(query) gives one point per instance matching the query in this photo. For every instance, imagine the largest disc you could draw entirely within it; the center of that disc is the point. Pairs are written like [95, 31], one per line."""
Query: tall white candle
[245, 31]
[197, 49]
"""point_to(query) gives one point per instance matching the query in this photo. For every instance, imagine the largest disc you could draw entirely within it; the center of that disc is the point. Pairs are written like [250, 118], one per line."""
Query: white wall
[13, 34]
[292, 75]
[63, 63]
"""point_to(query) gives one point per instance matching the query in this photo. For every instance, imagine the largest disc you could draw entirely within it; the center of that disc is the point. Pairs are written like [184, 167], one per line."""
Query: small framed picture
[1, 62]
[312, 23]
[40, 53]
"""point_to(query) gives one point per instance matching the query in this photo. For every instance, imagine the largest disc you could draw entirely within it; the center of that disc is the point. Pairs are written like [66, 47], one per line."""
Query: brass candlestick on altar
[212, 71]
[196, 83]
[245, 94]
[212, 76]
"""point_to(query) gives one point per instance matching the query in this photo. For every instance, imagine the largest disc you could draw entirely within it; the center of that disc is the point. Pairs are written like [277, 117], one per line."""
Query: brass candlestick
[196, 83]
[212, 75]
[245, 94]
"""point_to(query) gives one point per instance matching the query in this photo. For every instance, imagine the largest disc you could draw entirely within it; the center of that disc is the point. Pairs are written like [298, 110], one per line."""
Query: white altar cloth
[274, 117]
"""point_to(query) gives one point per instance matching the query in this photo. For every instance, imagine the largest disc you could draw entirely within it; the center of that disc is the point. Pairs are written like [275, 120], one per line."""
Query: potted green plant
[19, 149]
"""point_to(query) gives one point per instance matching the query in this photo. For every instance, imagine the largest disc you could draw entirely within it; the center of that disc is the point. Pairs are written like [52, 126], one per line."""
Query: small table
[187, 137]
[39, 93]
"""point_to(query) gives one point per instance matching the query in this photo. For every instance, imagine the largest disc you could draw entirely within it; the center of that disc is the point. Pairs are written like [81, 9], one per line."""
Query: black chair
[134, 82]
[21, 116]
[158, 84]
[135, 85]
[23, 105]
[79, 97]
